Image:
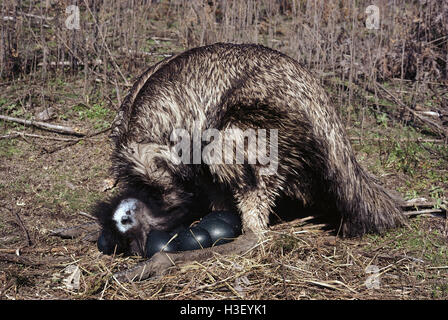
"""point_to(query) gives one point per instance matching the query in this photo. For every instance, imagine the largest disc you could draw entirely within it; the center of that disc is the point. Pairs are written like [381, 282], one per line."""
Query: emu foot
[162, 261]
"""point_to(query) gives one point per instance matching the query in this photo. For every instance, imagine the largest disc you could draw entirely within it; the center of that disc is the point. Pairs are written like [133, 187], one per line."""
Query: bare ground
[45, 184]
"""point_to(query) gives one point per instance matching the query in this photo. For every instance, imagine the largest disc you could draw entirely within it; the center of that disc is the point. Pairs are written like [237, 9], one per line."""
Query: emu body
[226, 86]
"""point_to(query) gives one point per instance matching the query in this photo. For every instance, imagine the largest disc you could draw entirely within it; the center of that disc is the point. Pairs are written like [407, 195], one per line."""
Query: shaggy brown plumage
[245, 86]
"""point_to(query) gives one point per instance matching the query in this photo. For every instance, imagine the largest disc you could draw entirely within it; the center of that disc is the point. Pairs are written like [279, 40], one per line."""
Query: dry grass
[297, 260]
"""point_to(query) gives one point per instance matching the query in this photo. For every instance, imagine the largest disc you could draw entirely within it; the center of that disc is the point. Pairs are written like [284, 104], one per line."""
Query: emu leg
[161, 261]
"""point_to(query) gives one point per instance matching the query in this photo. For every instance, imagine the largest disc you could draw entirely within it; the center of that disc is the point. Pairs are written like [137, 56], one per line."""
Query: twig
[10, 136]
[401, 140]
[393, 98]
[39, 250]
[85, 214]
[8, 285]
[162, 39]
[76, 141]
[418, 203]
[44, 126]
[440, 129]
[145, 53]
[31, 135]
[29, 15]
[76, 231]
[22, 225]
[423, 212]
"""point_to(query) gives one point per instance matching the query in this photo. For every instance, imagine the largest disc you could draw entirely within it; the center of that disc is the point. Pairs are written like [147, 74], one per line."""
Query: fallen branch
[38, 250]
[23, 134]
[71, 143]
[162, 39]
[424, 212]
[388, 95]
[45, 126]
[76, 231]
[418, 203]
[30, 15]
[85, 214]
[421, 206]
[400, 140]
[10, 136]
[25, 230]
[427, 121]
[145, 53]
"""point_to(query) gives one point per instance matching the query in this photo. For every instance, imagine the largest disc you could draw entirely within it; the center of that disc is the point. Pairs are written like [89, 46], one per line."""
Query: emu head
[154, 199]
[125, 225]
[127, 219]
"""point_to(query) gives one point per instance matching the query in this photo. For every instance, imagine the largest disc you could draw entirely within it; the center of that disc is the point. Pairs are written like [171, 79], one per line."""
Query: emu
[224, 86]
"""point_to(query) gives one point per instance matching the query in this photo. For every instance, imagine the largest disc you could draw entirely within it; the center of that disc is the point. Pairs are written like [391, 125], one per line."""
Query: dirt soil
[48, 184]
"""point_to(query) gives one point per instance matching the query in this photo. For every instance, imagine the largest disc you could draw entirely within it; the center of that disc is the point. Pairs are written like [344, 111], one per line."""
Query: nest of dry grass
[297, 260]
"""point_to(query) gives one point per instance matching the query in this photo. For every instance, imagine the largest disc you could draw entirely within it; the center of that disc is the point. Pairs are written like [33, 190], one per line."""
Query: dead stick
[401, 140]
[10, 136]
[76, 141]
[39, 250]
[44, 126]
[415, 114]
[22, 225]
[45, 137]
[426, 211]
[410, 205]
[76, 231]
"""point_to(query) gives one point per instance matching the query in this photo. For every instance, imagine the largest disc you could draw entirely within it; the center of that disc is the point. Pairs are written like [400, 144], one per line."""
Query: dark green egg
[232, 218]
[194, 238]
[158, 241]
[220, 231]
